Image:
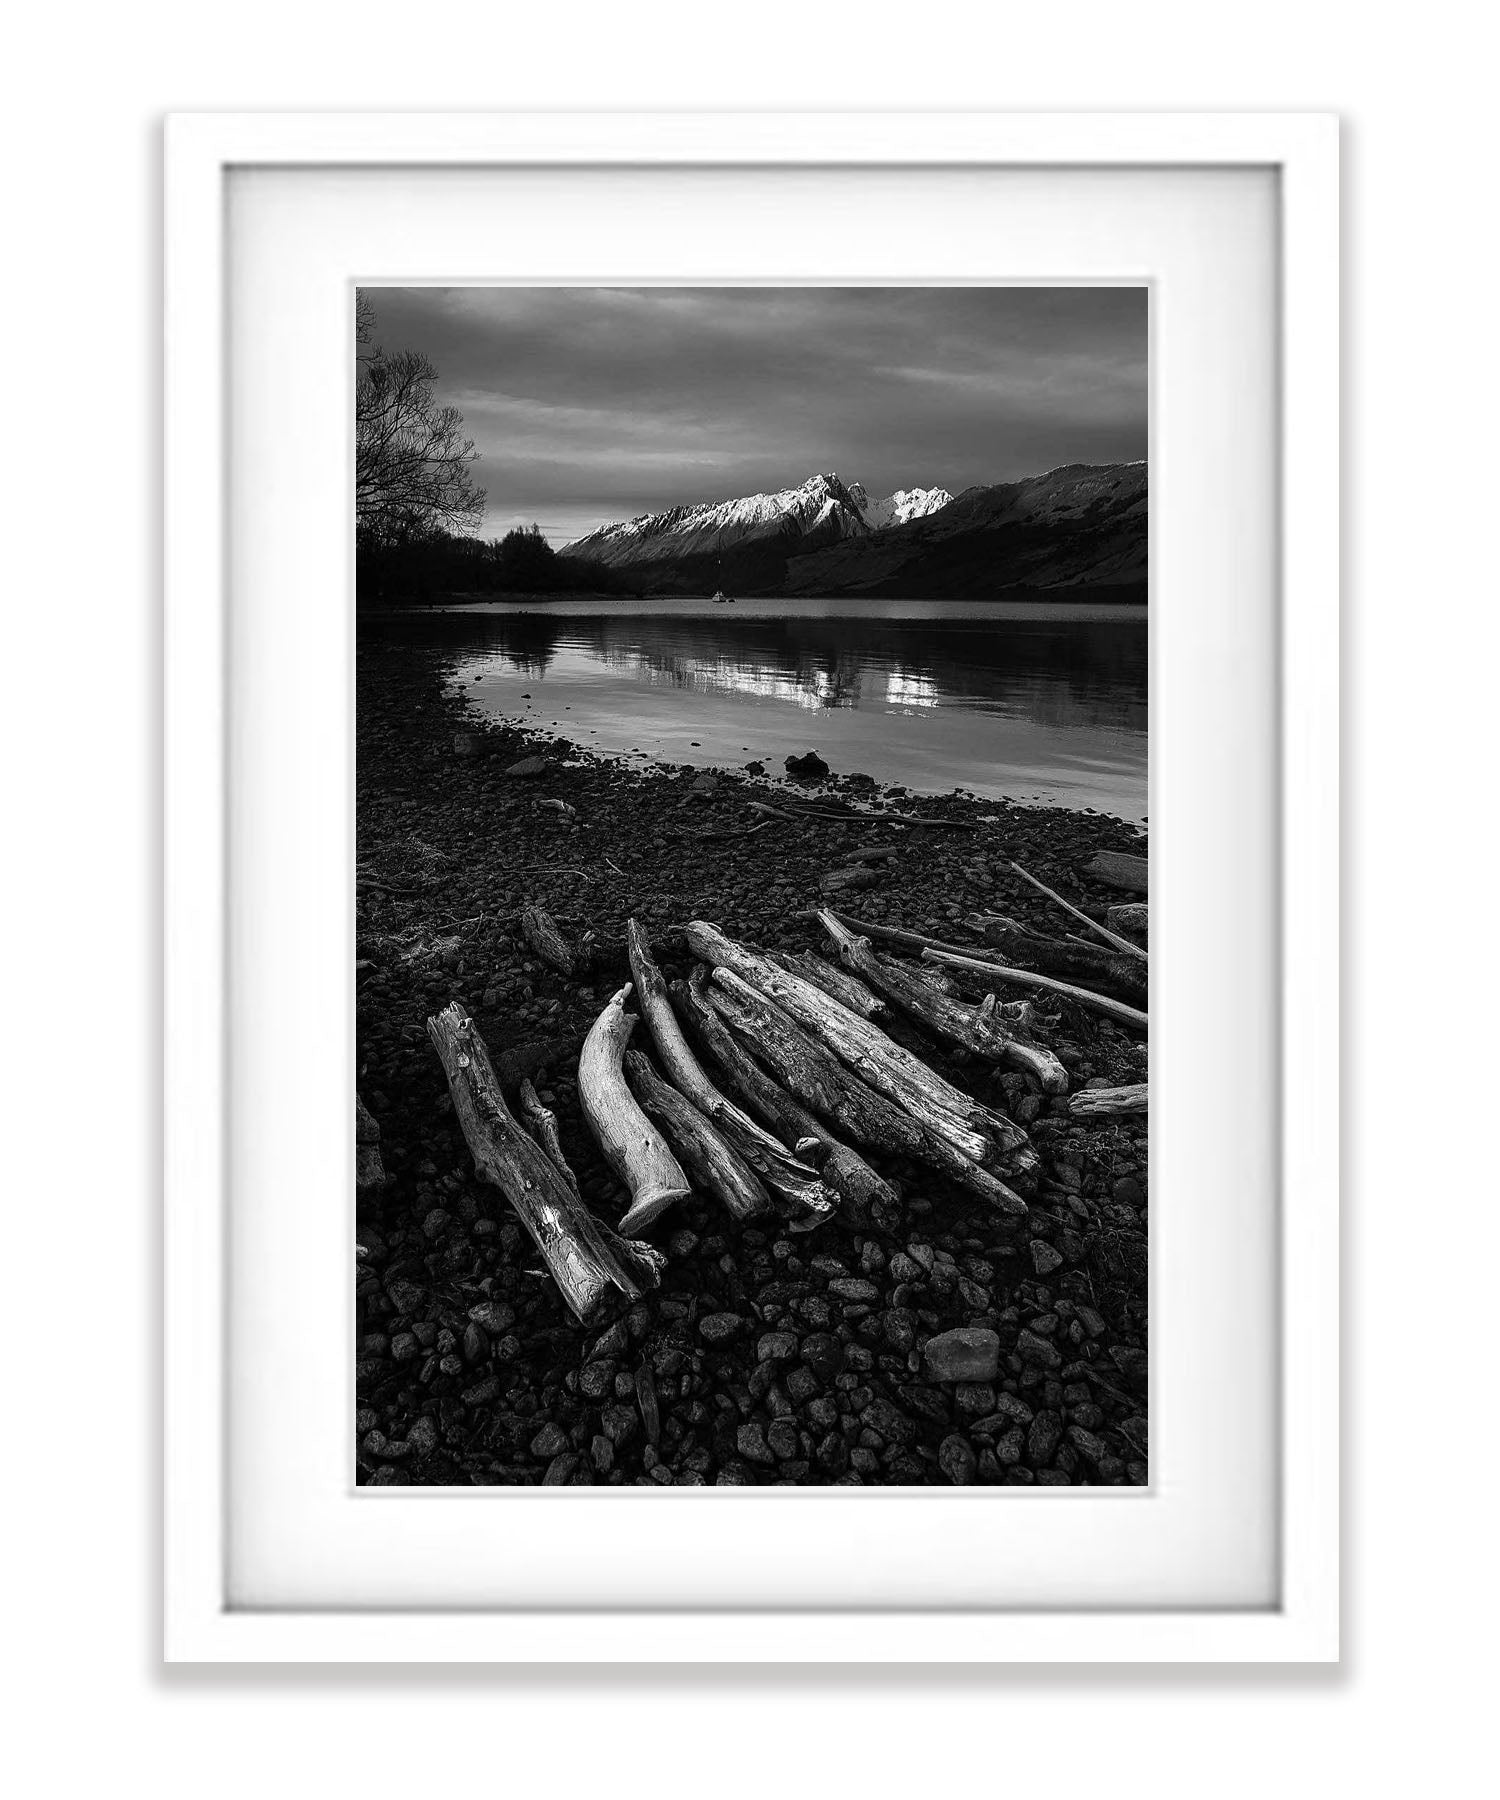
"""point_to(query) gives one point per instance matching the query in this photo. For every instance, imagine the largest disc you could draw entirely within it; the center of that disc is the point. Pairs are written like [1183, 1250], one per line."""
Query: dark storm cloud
[591, 404]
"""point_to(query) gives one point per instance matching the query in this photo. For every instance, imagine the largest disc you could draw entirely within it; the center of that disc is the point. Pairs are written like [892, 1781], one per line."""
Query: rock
[899, 1327]
[776, 1346]
[750, 1441]
[645, 1396]
[528, 768]
[974, 1397]
[493, 1317]
[618, 1422]
[482, 1392]
[824, 1355]
[404, 1346]
[969, 1353]
[550, 1441]
[405, 1296]
[783, 1440]
[755, 768]
[957, 1460]
[1044, 1259]
[595, 1380]
[422, 1437]
[1009, 1410]
[561, 1469]
[807, 768]
[1036, 1350]
[888, 1422]
[718, 1328]
[704, 788]
[680, 1244]
[1043, 1438]
[902, 1268]
[468, 743]
[853, 1290]
[1091, 1448]
[601, 1453]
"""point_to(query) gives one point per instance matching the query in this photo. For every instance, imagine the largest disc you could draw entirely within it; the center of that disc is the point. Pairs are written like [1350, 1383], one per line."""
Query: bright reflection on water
[1027, 701]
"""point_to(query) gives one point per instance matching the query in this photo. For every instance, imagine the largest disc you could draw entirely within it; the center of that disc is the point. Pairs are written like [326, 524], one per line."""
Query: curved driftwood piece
[865, 1193]
[794, 1181]
[587, 1260]
[632, 1145]
[1113, 1009]
[1130, 919]
[1095, 1103]
[825, 1084]
[543, 1123]
[977, 1028]
[713, 1163]
[858, 1043]
[1058, 956]
[1121, 944]
[847, 989]
[1115, 869]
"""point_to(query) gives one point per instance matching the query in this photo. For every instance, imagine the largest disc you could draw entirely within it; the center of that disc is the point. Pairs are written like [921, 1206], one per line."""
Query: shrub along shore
[765, 1355]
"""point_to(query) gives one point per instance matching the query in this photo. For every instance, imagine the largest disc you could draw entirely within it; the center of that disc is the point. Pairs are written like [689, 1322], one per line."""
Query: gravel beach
[963, 1347]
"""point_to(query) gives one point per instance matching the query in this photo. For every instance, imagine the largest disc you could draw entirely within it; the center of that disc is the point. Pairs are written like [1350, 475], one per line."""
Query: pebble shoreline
[965, 1348]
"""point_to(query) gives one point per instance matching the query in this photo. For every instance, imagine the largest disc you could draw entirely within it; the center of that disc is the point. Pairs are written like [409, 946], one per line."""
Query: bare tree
[412, 462]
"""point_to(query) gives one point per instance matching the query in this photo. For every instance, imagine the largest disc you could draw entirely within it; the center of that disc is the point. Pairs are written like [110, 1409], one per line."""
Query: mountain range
[1073, 531]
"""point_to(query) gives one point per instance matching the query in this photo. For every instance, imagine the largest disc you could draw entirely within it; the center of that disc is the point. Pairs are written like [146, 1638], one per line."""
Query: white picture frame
[203, 1621]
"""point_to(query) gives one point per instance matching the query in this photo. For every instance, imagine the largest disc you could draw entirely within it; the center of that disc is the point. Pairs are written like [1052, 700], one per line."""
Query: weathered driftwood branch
[1122, 944]
[847, 989]
[861, 818]
[858, 1043]
[1114, 1009]
[824, 1083]
[1057, 956]
[1130, 918]
[867, 1196]
[1090, 1103]
[542, 935]
[1115, 869]
[632, 1145]
[976, 1028]
[543, 1123]
[586, 1260]
[714, 1164]
[794, 1181]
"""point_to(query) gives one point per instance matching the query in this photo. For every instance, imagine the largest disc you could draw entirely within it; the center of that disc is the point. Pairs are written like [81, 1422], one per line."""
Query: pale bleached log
[1113, 1009]
[1093, 1103]
[847, 989]
[799, 1186]
[977, 1028]
[586, 1259]
[713, 1163]
[857, 1042]
[867, 1196]
[827, 1085]
[631, 1144]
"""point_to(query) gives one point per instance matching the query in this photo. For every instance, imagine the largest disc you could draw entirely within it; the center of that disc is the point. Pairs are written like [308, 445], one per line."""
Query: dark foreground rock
[765, 1356]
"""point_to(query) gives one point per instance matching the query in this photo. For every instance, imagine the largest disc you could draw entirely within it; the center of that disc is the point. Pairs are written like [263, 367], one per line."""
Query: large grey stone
[968, 1353]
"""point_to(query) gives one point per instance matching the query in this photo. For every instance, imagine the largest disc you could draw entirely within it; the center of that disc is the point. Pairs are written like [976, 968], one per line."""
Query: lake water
[1025, 701]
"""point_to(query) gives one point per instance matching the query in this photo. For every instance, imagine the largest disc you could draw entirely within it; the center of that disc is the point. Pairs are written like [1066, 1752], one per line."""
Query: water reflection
[1021, 701]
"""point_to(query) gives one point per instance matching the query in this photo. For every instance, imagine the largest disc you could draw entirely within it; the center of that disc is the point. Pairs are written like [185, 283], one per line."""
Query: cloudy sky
[592, 404]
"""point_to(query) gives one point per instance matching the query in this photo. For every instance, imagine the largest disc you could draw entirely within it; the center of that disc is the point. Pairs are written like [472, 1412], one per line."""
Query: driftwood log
[714, 1164]
[847, 989]
[976, 1028]
[1115, 869]
[632, 1145]
[1095, 1103]
[587, 1261]
[1061, 956]
[1113, 1009]
[795, 1182]
[1122, 944]
[858, 1043]
[543, 1123]
[866, 1195]
[828, 1086]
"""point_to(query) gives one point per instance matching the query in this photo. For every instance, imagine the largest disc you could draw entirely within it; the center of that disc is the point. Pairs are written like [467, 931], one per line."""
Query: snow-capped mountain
[901, 507]
[820, 512]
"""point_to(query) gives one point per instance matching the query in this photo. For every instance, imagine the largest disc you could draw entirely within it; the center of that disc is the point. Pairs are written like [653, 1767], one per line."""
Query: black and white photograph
[751, 886]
